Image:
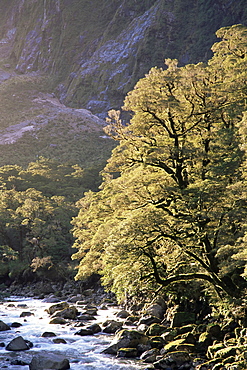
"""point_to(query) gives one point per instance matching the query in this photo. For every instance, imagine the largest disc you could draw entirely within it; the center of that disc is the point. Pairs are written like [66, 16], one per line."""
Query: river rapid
[83, 353]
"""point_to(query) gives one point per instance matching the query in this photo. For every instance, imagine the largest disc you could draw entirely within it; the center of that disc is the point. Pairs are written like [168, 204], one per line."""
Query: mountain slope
[97, 50]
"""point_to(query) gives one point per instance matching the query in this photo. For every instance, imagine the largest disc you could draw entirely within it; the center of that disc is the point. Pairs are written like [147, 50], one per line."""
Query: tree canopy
[172, 207]
[36, 207]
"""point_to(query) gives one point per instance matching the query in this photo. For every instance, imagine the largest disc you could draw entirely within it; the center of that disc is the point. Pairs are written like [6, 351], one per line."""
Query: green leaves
[169, 209]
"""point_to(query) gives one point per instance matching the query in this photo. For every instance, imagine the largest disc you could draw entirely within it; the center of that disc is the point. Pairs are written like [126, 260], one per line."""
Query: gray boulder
[18, 344]
[123, 314]
[111, 326]
[3, 326]
[49, 361]
[156, 310]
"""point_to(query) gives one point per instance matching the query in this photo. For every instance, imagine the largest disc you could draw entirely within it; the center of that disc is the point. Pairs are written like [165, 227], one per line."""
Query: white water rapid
[83, 353]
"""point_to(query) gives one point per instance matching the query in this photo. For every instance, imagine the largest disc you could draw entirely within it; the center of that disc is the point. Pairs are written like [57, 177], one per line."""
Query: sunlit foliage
[172, 206]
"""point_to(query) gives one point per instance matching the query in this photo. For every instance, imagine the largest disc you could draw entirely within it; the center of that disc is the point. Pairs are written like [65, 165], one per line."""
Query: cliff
[95, 51]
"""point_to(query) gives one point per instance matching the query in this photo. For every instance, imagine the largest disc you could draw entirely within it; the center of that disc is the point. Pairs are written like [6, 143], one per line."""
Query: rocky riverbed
[85, 329]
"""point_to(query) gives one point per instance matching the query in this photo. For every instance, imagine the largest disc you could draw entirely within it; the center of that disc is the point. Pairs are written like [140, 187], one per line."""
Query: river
[84, 353]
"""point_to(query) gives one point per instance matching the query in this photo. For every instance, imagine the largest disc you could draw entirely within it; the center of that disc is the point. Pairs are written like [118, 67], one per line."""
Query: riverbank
[161, 335]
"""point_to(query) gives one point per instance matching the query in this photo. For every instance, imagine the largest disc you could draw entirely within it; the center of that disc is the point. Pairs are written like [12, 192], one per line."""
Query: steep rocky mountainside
[95, 51]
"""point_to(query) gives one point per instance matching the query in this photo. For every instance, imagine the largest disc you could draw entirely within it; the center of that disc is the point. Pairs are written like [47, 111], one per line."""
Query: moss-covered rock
[214, 348]
[127, 352]
[225, 352]
[179, 345]
[156, 329]
[183, 318]
[126, 339]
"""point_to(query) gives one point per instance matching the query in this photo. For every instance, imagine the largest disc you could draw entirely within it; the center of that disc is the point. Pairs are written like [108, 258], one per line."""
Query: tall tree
[171, 208]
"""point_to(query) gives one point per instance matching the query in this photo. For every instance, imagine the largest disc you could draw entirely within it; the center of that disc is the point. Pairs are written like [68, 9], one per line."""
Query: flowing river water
[84, 353]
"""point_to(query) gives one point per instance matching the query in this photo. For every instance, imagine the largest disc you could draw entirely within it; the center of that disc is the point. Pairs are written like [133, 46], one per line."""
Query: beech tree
[172, 206]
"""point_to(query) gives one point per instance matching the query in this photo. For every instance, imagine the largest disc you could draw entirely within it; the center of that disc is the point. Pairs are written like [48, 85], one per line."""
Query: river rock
[84, 332]
[131, 320]
[19, 363]
[150, 355]
[127, 352]
[95, 328]
[59, 341]
[156, 329]
[15, 325]
[18, 344]
[76, 298]
[70, 313]
[174, 360]
[3, 326]
[90, 311]
[148, 320]
[22, 305]
[48, 334]
[57, 307]
[156, 310]
[183, 318]
[58, 320]
[111, 326]
[26, 314]
[49, 361]
[123, 314]
[126, 339]
[85, 317]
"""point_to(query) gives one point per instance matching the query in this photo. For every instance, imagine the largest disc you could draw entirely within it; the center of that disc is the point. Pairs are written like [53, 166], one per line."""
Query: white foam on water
[83, 352]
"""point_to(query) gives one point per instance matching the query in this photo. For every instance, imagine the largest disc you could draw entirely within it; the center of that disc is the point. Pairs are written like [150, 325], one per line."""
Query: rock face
[99, 49]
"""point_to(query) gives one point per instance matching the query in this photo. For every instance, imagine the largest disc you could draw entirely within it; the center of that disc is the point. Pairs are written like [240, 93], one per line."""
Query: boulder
[18, 344]
[127, 352]
[126, 339]
[48, 334]
[15, 325]
[83, 332]
[58, 320]
[49, 361]
[3, 326]
[179, 345]
[169, 336]
[19, 363]
[148, 320]
[205, 340]
[156, 329]
[183, 318]
[76, 298]
[111, 326]
[123, 314]
[189, 338]
[156, 310]
[59, 340]
[131, 320]
[57, 307]
[226, 352]
[214, 330]
[156, 342]
[95, 328]
[26, 314]
[85, 317]
[70, 313]
[90, 311]
[174, 360]
[150, 355]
